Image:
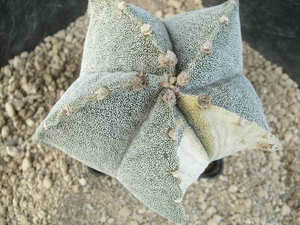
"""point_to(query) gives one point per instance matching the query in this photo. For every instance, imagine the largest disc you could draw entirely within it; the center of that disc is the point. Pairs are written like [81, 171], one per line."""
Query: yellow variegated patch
[223, 132]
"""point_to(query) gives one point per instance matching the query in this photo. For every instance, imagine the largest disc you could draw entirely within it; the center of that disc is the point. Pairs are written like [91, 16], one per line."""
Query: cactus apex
[183, 79]
[168, 81]
[167, 60]
[169, 97]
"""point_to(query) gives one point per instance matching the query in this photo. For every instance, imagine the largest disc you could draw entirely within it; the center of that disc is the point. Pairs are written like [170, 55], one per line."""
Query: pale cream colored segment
[221, 131]
[231, 136]
[193, 159]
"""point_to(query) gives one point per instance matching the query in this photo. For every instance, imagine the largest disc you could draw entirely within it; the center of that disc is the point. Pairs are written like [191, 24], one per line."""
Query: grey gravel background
[42, 186]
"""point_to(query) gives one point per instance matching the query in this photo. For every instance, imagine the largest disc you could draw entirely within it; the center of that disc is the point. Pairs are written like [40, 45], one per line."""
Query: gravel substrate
[42, 186]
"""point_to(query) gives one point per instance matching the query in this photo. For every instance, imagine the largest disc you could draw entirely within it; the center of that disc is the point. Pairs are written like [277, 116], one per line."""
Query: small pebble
[14, 152]
[82, 181]
[5, 131]
[7, 71]
[284, 122]
[247, 202]
[278, 71]
[48, 78]
[17, 62]
[232, 188]
[210, 210]
[215, 220]
[174, 3]
[26, 164]
[30, 122]
[54, 50]
[285, 210]
[293, 109]
[211, 222]
[287, 136]
[158, 14]
[69, 37]
[24, 55]
[239, 208]
[255, 210]
[67, 178]
[47, 182]
[56, 59]
[2, 210]
[63, 166]
[142, 210]
[60, 34]
[12, 86]
[76, 188]
[10, 109]
[18, 104]
[103, 219]
[2, 221]
[125, 211]
[110, 220]
[260, 192]
[42, 214]
[138, 218]
[23, 220]
[132, 222]
[277, 89]
[263, 219]
[38, 65]
[295, 167]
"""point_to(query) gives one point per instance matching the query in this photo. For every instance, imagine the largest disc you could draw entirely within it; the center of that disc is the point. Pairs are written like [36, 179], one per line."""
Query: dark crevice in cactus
[140, 125]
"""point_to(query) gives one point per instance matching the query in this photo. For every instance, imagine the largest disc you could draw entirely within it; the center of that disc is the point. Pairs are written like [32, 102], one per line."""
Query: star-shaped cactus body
[157, 101]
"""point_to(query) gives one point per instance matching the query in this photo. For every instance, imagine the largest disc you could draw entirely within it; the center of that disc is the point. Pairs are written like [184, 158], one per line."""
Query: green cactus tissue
[157, 101]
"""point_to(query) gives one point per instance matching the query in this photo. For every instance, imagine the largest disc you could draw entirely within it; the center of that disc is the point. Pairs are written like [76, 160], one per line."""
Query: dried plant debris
[43, 186]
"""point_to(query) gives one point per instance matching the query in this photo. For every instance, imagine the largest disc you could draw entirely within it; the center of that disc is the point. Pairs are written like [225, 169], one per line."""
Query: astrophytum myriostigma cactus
[157, 101]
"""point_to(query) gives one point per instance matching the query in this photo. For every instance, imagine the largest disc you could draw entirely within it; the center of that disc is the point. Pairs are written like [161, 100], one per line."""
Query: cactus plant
[157, 101]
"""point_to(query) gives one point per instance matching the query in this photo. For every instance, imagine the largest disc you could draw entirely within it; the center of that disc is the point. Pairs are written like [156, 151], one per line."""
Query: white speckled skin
[117, 36]
[107, 123]
[219, 73]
